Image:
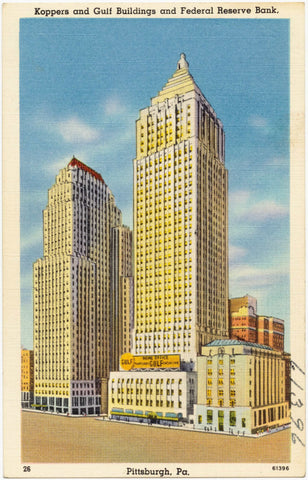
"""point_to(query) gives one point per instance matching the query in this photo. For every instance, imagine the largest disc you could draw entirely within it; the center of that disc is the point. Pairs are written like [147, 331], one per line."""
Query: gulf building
[180, 251]
[76, 294]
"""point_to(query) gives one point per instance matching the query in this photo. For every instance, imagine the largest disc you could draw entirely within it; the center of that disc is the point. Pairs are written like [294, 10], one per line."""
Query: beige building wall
[127, 312]
[157, 392]
[27, 378]
[121, 293]
[180, 222]
[71, 292]
[240, 374]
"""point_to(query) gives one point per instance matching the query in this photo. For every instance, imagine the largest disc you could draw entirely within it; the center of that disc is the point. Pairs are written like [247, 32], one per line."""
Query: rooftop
[180, 82]
[77, 163]
[227, 342]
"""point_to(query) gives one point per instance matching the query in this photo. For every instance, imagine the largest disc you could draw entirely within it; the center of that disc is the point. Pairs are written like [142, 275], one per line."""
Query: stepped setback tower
[72, 293]
[180, 222]
[180, 253]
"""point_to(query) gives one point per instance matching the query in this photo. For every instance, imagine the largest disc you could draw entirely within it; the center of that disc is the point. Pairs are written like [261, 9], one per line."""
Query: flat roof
[227, 342]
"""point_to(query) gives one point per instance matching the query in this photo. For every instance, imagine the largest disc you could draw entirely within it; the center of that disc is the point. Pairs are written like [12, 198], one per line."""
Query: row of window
[148, 403]
[51, 392]
[147, 391]
[220, 381]
[220, 371]
[232, 418]
[220, 393]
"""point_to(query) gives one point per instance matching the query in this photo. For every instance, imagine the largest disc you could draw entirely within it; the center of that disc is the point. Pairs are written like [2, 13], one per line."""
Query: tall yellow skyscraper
[72, 297]
[180, 222]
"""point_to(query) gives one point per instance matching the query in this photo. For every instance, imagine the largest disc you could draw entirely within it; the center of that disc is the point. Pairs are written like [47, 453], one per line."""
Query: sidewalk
[186, 427]
[191, 428]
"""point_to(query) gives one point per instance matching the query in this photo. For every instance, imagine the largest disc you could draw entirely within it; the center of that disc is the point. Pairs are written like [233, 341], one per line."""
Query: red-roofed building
[74, 294]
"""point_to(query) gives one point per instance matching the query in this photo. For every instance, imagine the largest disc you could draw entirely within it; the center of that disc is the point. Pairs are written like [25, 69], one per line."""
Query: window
[199, 419]
[243, 422]
[232, 420]
[209, 416]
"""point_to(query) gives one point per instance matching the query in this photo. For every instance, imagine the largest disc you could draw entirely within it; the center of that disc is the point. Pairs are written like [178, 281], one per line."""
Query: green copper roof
[224, 343]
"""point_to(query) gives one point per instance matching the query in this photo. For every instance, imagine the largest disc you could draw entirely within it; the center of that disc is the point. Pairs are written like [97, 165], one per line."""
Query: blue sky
[82, 83]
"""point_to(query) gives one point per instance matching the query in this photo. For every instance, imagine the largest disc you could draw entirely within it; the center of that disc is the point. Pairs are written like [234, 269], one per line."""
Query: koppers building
[73, 299]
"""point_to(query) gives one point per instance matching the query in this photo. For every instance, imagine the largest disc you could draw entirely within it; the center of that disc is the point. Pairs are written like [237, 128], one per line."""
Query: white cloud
[55, 167]
[267, 210]
[252, 277]
[33, 239]
[74, 130]
[239, 197]
[235, 253]
[243, 208]
[113, 106]
[257, 121]
[239, 204]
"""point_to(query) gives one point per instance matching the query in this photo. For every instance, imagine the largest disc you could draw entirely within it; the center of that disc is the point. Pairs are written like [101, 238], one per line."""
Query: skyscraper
[72, 307]
[180, 253]
[180, 222]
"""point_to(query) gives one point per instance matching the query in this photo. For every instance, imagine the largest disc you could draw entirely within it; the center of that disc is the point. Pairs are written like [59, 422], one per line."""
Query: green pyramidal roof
[180, 82]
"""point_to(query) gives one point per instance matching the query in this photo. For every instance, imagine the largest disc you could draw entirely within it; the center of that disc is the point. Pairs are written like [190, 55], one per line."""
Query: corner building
[72, 293]
[241, 388]
[180, 221]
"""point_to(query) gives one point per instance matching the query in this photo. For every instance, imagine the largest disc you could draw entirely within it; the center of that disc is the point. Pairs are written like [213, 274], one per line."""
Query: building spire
[182, 63]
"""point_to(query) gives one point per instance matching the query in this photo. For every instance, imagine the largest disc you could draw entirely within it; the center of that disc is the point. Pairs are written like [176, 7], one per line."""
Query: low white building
[163, 396]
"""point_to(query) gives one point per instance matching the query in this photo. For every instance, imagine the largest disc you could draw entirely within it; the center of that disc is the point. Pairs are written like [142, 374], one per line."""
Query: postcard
[153, 240]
